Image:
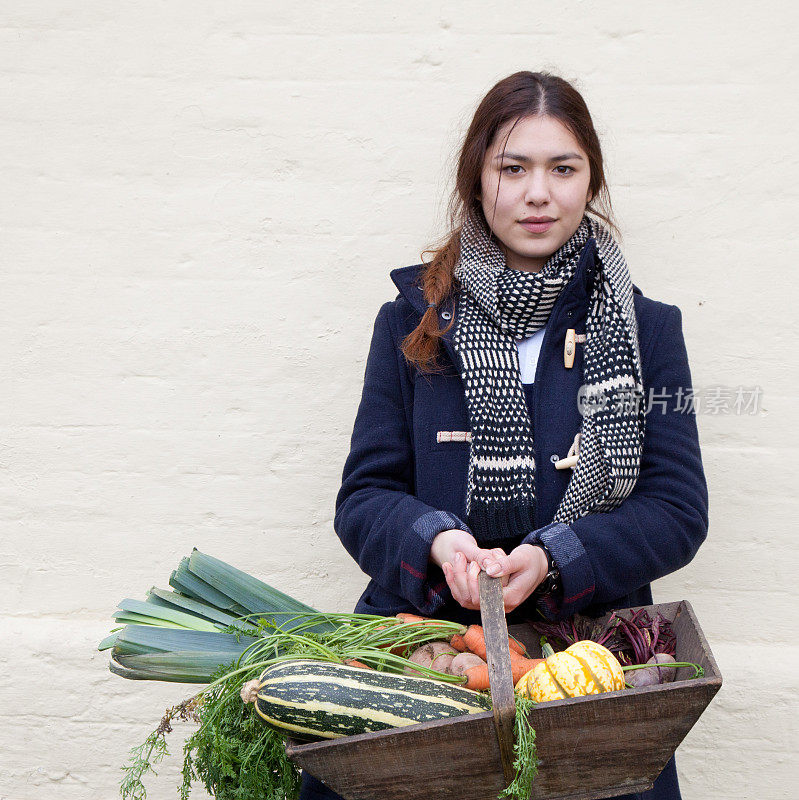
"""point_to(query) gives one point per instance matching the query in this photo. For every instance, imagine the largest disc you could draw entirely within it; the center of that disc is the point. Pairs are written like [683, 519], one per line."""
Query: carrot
[478, 678]
[415, 619]
[515, 656]
[406, 617]
[475, 641]
[457, 642]
[520, 666]
[355, 663]
[517, 647]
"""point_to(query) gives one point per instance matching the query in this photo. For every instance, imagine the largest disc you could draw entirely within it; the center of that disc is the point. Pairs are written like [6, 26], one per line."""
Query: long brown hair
[523, 94]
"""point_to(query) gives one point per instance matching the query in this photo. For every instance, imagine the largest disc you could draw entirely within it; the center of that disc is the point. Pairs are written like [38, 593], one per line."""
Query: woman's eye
[511, 167]
[564, 166]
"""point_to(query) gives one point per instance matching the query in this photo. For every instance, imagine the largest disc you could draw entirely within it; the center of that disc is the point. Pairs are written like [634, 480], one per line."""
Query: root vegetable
[520, 666]
[474, 668]
[463, 662]
[516, 647]
[415, 619]
[474, 639]
[434, 655]
[406, 617]
[478, 678]
[655, 674]
[443, 656]
[667, 673]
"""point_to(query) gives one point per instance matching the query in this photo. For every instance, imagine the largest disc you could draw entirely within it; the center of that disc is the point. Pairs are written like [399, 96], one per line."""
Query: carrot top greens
[220, 626]
[232, 753]
[236, 757]
[525, 760]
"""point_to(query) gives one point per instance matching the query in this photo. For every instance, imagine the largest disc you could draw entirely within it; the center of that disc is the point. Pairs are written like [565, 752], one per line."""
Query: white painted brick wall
[201, 203]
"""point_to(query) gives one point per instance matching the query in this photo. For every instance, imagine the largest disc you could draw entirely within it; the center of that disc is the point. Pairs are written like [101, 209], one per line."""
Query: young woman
[524, 405]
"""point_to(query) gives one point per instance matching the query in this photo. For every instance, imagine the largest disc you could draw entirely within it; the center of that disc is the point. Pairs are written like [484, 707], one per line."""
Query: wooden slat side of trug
[590, 748]
[619, 742]
[447, 759]
[616, 741]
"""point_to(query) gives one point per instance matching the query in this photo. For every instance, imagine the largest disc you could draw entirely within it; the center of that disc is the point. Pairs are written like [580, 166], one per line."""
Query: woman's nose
[537, 189]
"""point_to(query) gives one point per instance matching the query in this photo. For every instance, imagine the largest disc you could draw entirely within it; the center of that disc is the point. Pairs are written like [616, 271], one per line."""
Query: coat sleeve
[660, 526]
[380, 522]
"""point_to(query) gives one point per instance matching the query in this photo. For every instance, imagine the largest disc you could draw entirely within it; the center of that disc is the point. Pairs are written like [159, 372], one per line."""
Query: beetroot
[654, 675]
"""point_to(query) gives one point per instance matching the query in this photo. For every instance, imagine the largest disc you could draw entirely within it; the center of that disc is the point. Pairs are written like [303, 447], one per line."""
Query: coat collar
[407, 280]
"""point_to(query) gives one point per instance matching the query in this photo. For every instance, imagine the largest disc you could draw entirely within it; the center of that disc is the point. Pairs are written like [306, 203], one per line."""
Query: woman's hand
[460, 557]
[523, 569]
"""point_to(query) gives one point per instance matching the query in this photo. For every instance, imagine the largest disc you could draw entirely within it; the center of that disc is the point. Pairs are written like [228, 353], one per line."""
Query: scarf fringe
[490, 523]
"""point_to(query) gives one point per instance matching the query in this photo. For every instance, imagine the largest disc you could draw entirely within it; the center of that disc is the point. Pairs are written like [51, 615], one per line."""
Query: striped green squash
[310, 699]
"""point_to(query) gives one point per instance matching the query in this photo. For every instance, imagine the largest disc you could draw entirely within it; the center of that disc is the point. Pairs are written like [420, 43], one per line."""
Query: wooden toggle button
[569, 347]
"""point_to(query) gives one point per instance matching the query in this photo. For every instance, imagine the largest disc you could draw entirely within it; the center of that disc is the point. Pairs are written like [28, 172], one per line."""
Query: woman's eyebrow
[524, 160]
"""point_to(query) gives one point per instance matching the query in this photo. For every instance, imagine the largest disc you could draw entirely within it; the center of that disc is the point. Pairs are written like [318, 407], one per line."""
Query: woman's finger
[498, 565]
[457, 580]
[473, 586]
[492, 557]
[519, 588]
[473, 552]
[449, 575]
[464, 582]
[489, 556]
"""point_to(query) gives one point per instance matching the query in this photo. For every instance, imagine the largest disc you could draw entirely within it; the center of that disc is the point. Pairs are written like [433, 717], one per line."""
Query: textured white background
[201, 203]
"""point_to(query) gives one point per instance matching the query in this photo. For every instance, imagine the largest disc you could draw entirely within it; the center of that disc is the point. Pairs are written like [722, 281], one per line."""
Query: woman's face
[544, 173]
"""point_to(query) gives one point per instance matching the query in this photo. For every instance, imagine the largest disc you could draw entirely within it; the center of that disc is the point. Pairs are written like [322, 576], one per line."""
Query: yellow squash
[583, 668]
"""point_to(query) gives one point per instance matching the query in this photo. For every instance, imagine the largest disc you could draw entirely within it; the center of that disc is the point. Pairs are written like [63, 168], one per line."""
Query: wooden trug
[590, 747]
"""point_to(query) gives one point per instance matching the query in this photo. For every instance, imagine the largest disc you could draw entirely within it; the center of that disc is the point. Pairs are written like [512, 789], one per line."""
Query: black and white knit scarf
[499, 306]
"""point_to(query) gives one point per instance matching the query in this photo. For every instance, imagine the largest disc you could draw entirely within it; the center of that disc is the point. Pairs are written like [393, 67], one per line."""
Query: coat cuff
[576, 572]
[423, 582]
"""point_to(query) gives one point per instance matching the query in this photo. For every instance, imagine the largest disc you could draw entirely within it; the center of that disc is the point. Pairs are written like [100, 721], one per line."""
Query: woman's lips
[537, 227]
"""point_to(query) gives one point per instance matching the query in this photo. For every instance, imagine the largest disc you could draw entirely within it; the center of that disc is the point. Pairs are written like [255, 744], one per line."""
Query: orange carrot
[516, 646]
[520, 666]
[475, 641]
[406, 617]
[398, 650]
[457, 642]
[478, 678]
[355, 663]
[514, 656]
[415, 619]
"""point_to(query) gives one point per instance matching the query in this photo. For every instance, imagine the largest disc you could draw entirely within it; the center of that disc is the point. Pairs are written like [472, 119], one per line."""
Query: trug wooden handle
[495, 629]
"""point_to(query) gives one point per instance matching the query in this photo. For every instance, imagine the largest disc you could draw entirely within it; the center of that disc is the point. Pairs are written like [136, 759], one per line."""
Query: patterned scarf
[497, 307]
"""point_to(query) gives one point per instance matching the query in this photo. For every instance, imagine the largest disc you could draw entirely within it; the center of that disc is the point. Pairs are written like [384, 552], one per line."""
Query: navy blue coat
[401, 486]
